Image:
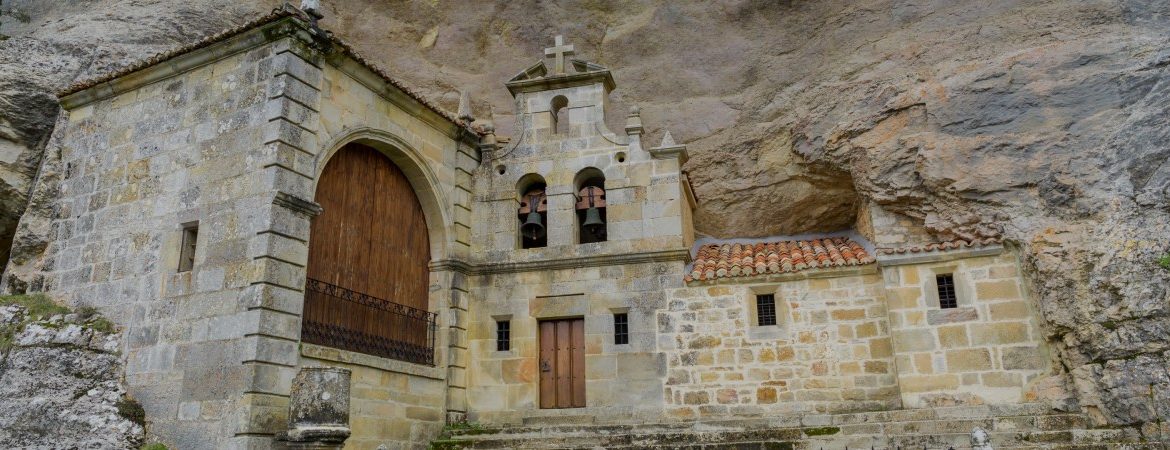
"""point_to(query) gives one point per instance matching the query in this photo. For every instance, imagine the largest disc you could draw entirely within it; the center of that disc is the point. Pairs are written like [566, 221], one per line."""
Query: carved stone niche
[318, 410]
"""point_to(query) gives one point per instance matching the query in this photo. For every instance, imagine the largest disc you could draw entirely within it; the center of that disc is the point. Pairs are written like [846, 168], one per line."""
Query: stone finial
[559, 51]
[312, 8]
[465, 107]
[667, 140]
[634, 121]
[980, 440]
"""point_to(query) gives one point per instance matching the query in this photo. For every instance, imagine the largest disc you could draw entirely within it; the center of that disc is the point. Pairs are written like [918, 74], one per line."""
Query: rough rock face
[1041, 121]
[60, 385]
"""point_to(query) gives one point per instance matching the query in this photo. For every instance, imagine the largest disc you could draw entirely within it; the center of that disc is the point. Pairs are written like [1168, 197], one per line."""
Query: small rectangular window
[621, 328]
[503, 336]
[765, 309]
[946, 291]
[187, 251]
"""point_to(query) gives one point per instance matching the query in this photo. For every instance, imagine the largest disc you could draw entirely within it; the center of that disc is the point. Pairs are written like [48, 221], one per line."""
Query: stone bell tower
[578, 231]
[564, 103]
[565, 172]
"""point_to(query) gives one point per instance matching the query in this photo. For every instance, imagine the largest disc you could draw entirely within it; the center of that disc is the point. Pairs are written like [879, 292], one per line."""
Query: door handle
[545, 366]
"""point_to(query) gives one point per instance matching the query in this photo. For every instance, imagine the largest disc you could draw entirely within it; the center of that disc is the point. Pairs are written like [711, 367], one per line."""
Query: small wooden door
[562, 363]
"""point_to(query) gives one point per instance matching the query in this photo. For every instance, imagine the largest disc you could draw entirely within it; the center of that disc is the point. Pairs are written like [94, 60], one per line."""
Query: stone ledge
[560, 263]
[375, 362]
[937, 256]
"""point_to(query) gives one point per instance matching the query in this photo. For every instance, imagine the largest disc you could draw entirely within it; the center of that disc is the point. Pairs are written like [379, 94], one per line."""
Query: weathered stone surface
[1042, 121]
[60, 386]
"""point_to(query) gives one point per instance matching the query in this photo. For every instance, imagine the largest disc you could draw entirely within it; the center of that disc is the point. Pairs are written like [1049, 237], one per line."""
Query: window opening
[946, 291]
[765, 309]
[503, 335]
[187, 251]
[560, 115]
[621, 328]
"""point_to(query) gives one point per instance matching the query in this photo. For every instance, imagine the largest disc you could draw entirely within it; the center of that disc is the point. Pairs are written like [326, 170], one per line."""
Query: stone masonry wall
[231, 136]
[394, 404]
[988, 350]
[134, 167]
[622, 382]
[829, 352]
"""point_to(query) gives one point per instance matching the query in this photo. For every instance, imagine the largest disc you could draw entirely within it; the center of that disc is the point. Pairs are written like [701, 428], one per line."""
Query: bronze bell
[532, 228]
[593, 223]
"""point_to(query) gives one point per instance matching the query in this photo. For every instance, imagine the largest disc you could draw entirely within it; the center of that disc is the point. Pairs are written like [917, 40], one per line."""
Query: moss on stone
[464, 427]
[132, 411]
[154, 446]
[448, 444]
[1164, 261]
[821, 431]
[779, 446]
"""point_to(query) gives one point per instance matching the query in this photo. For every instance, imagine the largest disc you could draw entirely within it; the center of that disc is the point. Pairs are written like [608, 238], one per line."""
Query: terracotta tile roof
[716, 261]
[939, 246]
[276, 14]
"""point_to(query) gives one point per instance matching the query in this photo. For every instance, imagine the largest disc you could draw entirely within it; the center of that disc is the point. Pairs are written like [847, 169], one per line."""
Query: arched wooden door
[368, 257]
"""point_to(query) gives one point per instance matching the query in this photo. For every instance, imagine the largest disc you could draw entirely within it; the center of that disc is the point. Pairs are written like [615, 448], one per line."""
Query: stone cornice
[562, 81]
[938, 256]
[578, 262]
[183, 61]
[297, 204]
[675, 151]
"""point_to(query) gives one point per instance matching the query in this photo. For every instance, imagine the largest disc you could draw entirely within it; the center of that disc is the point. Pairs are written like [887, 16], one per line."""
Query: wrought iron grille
[766, 309]
[340, 318]
[946, 291]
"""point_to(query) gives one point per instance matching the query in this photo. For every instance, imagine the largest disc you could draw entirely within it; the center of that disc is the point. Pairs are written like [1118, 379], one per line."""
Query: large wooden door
[371, 236]
[371, 242]
[562, 363]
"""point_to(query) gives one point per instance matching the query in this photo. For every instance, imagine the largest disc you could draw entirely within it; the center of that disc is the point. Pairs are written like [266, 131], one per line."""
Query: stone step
[828, 442]
[1022, 427]
[826, 438]
[1052, 422]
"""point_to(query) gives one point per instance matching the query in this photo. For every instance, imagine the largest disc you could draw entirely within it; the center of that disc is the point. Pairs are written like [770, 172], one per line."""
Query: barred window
[621, 328]
[503, 335]
[946, 291]
[765, 309]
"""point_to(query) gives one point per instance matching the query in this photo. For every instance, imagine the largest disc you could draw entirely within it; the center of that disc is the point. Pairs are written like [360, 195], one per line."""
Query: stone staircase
[1010, 428]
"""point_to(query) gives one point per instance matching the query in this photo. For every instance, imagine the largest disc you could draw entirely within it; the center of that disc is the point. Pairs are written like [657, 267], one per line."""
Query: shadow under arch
[418, 172]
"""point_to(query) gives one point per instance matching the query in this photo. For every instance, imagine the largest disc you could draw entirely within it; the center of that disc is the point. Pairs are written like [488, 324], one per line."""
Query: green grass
[94, 321]
[1164, 261]
[154, 446]
[39, 306]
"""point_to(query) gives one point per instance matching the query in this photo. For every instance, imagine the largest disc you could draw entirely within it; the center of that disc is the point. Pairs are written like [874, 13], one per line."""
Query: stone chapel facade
[267, 200]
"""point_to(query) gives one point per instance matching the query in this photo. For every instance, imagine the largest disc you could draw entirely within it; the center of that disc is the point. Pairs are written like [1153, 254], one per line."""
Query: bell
[532, 228]
[593, 223]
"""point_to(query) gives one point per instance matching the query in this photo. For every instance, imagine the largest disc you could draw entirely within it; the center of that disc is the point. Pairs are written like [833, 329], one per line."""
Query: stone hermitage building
[267, 199]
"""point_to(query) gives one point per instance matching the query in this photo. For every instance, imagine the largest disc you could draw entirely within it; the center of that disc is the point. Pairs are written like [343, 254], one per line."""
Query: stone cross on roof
[559, 51]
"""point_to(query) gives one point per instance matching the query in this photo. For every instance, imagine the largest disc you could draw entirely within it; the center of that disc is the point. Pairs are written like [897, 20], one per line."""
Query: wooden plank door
[562, 363]
[371, 238]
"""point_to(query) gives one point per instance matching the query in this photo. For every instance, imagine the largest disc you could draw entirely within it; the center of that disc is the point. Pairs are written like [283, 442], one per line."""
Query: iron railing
[338, 317]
